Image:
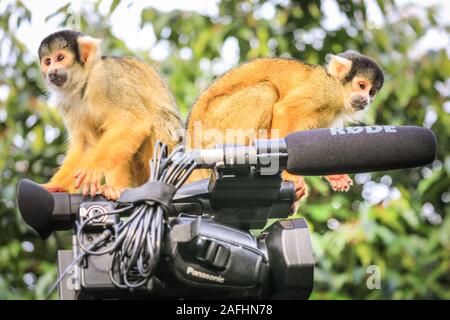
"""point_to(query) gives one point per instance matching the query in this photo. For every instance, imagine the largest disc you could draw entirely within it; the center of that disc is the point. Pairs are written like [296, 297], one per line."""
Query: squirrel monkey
[285, 95]
[114, 109]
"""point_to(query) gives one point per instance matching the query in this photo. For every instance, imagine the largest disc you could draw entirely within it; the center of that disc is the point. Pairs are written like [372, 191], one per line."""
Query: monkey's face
[64, 58]
[56, 67]
[361, 92]
[361, 77]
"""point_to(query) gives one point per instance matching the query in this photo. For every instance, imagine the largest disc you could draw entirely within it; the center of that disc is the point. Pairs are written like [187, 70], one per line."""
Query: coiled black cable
[137, 245]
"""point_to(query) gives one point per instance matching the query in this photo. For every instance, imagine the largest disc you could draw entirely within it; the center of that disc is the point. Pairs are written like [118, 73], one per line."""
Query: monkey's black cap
[365, 66]
[61, 40]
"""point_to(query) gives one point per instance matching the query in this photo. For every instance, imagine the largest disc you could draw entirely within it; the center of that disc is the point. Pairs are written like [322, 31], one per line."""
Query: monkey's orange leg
[119, 142]
[294, 114]
[289, 115]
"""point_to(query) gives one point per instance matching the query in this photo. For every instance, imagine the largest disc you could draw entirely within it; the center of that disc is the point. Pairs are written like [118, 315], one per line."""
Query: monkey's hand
[112, 193]
[89, 180]
[339, 182]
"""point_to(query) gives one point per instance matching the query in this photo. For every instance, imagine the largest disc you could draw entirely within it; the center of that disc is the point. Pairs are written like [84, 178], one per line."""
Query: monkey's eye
[372, 92]
[362, 85]
[60, 58]
[47, 61]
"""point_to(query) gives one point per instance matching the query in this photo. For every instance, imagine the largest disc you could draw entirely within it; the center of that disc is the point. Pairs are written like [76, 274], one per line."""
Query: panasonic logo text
[195, 273]
[368, 130]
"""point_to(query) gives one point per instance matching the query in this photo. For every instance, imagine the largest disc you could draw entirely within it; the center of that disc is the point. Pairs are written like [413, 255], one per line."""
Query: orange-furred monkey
[282, 96]
[114, 110]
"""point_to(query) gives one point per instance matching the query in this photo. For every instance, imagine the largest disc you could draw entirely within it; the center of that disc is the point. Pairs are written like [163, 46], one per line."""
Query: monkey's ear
[89, 48]
[338, 67]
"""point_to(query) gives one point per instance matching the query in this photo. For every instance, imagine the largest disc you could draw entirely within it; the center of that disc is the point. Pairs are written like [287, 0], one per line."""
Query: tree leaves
[348, 233]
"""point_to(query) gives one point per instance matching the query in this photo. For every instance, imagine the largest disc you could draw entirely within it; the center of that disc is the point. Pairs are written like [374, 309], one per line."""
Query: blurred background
[394, 226]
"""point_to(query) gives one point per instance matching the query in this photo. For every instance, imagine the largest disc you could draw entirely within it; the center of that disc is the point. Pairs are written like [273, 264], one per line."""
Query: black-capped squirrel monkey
[285, 95]
[114, 110]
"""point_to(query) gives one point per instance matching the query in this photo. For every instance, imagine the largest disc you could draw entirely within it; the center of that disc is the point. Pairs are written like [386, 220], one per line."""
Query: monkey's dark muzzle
[359, 102]
[57, 77]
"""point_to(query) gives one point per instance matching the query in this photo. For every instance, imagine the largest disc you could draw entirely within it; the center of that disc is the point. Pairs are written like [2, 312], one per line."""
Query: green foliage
[405, 234]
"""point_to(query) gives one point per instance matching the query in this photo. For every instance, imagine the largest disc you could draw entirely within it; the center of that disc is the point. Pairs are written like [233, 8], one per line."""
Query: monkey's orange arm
[120, 140]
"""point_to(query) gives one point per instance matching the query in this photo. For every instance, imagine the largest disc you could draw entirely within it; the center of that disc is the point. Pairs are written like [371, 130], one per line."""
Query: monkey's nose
[57, 77]
[52, 75]
[359, 102]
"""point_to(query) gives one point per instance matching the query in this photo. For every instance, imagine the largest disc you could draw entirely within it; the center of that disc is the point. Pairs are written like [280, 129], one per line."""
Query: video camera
[176, 240]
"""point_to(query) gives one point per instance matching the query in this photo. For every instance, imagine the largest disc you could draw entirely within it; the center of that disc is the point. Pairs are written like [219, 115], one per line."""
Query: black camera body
[207, 250]
[201, 258]
[238, 197]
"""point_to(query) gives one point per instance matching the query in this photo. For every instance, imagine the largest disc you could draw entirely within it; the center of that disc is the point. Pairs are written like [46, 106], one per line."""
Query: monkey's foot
[112, 193]
[301, 190]
[89, 181]
[339, 182]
